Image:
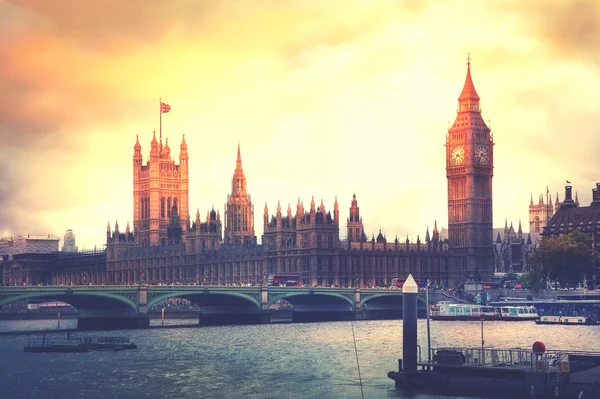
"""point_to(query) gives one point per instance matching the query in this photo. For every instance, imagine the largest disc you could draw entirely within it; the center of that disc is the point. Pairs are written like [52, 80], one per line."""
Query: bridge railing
[64, 287]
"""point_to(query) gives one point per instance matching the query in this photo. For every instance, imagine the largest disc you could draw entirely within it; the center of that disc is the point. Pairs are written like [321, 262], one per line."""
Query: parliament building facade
[167, 246]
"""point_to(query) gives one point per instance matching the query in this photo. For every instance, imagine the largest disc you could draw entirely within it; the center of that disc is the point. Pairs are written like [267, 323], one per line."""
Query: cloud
[569, 28]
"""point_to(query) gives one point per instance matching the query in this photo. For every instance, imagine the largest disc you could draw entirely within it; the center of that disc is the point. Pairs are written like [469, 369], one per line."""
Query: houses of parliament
[167, 244]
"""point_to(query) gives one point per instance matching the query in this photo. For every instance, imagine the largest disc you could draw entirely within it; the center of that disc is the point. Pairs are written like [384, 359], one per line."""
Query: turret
[266, 218]
[336, 213]
[167, 149]
[568, 202]
[596, 195]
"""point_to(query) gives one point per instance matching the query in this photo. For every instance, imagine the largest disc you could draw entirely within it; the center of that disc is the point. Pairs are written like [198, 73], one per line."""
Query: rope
[357, 365]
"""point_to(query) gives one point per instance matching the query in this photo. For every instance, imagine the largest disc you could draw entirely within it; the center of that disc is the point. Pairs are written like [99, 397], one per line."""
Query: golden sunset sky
[326, 98]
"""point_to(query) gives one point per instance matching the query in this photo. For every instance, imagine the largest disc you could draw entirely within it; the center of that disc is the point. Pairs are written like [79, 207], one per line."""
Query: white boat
[447, 310]
[569, 320]
[518, 313]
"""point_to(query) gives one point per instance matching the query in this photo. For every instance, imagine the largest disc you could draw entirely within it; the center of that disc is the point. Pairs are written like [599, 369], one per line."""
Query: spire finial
[469, 94]
[239, 158]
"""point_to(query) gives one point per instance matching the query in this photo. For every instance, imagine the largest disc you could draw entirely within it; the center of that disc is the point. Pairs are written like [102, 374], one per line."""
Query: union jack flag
[164, 108]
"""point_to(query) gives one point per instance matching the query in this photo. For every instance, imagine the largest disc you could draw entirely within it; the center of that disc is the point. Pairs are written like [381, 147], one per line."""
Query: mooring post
[410, 291]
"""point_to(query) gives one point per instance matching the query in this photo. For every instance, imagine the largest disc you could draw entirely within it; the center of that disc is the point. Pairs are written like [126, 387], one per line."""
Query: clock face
[457, 156]
[481, 155]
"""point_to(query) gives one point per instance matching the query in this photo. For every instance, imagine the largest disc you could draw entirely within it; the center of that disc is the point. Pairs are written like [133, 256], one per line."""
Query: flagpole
[160, 118]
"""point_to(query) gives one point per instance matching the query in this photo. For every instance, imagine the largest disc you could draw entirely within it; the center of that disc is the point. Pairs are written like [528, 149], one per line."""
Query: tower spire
[238, 162]
[468, 99]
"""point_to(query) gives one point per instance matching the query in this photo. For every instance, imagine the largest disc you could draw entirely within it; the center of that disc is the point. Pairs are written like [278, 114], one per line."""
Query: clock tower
[469, 169]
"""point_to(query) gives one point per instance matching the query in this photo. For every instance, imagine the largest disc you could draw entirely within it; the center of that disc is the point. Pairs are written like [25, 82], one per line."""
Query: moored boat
[508, 372]
[68, 344]
[518, 313]
[446, 310]
[566, 320]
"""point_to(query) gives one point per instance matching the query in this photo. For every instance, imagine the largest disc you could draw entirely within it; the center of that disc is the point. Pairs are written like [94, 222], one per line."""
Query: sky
[325, 98]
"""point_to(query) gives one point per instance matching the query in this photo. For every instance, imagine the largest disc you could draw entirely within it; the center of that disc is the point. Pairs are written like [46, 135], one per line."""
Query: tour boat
[518, 313]
[446, 310]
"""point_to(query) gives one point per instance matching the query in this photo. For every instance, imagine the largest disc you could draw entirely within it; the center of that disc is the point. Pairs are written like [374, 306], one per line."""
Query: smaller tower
[239, 211]
[354, 225]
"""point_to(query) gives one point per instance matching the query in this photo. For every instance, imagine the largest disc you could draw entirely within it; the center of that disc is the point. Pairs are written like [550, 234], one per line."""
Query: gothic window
[536, 223]
[162, 207]
[169, 207]
[319, 240]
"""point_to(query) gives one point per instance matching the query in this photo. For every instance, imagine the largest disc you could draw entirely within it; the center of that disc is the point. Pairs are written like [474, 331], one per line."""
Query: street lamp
[428, 328]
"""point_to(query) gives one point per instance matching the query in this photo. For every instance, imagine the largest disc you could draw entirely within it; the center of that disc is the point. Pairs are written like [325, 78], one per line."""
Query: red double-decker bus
[398, 282]
[284, 280]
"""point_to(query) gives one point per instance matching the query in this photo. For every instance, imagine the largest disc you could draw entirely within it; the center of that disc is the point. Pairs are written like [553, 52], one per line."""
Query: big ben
[469, 169]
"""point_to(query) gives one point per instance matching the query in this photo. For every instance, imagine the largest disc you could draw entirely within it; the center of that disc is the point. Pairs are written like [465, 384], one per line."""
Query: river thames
[279, 360]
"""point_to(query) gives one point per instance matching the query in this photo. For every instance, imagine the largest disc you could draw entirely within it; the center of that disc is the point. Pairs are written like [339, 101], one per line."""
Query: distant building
[512, 249]
[572, 217]
[69, 242]
[24, 260]
[30, 244]
[540, 213]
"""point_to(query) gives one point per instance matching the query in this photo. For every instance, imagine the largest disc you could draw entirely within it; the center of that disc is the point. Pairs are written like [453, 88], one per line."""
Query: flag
[164, 108]
[568, 182]
[547, 191]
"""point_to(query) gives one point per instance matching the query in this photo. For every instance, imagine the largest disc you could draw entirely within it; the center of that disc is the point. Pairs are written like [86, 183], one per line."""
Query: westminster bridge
[117, 306]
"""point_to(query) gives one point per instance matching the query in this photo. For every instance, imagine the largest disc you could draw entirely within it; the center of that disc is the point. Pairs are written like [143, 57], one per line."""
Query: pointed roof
[427, 239]
[183, 146]
[529, 239]
[468, 91]
[498, 240]
[380, 237]
[238, 162]
[137, 147]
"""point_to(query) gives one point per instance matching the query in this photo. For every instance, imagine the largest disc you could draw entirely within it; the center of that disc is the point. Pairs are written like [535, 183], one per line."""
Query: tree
[565, 260]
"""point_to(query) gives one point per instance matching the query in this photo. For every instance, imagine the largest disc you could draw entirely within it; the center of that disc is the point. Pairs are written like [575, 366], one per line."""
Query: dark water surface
[313, 360]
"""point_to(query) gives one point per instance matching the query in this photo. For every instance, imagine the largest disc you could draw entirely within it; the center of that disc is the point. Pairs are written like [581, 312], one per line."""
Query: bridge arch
[364, 300]
[290, 297]
[194, 295]
[77, 299]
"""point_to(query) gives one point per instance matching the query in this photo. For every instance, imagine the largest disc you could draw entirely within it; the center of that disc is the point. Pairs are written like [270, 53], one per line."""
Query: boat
[447, 310]
[518, 313]
[510, 372]
[69, 344]
[567, 320]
